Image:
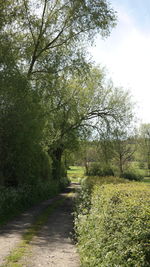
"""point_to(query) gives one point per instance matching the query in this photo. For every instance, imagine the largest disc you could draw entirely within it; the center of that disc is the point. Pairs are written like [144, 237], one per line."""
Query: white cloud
[126, 55]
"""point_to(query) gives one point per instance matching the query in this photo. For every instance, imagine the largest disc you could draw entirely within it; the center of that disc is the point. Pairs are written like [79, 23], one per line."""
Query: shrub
[97, 170]
[64, 182]
[83, 199]
[141, 165]
[132, 176]
[15, 200]
[116, 231]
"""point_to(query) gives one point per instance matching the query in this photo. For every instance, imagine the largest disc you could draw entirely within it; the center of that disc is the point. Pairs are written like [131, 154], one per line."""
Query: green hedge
[83, 200]
[116, 230]
[132, 176]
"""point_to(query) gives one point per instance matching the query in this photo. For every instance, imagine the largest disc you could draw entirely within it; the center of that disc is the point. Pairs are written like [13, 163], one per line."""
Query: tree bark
[56, 164]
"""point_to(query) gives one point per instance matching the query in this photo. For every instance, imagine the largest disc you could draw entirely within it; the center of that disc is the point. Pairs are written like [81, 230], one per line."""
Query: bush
[97, 170]
[64, 182]
[91, 181]
[15, 200]
[116, 231]
[132, 176]
[83, 199]
[141, 165]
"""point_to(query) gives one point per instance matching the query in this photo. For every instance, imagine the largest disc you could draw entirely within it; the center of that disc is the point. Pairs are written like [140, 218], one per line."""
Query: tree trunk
[120, 165]
[56, 164]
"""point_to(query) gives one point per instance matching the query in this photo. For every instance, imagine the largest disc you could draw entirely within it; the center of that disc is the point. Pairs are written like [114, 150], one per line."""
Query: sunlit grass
[142, 171]
[146, 180]
[75, 173]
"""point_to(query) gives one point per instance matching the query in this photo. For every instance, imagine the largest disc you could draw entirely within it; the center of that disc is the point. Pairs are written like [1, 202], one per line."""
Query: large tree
[39, 29]
[78, 104]
[43, 44]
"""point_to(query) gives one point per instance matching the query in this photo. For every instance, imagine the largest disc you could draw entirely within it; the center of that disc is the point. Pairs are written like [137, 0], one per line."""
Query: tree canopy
[50, 91]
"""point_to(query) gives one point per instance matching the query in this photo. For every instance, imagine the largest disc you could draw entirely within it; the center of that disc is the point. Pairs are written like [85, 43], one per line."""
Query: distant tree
[116, 136]
[144, 144]
[123, 149]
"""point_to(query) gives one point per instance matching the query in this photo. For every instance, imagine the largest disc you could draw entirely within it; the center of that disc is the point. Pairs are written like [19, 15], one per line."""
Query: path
[52, 246]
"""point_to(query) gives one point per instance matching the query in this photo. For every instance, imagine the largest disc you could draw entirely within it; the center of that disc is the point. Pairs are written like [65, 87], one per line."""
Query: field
[75, 173]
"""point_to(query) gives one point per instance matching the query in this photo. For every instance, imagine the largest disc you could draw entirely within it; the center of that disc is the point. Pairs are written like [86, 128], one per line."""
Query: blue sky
[139, 10]
[126, 53]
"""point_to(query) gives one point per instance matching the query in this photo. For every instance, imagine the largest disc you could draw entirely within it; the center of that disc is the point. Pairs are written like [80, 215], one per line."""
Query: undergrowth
[13, 201]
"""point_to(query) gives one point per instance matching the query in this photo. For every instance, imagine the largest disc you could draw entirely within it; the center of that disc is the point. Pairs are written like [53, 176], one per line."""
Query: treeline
[123, 152]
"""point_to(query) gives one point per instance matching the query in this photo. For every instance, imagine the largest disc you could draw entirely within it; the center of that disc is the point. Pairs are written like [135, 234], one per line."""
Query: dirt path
[52, 246]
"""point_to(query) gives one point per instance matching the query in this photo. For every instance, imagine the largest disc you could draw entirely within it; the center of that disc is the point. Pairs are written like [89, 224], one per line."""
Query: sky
[126, 53]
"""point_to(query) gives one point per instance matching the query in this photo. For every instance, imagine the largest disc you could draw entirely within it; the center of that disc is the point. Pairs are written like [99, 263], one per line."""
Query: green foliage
[141, 165]
[144, 145]
[132, 176]
[15, 200]
[21, 124]
[64, 182]
[49, 90]
[91, 181]
[115, 230]
[97, 169]
[83, 201]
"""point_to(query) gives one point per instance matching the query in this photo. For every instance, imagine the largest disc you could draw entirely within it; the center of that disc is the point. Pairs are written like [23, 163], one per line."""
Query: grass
[146, 180]
[142, 171]
[75, 173]
[17, 253]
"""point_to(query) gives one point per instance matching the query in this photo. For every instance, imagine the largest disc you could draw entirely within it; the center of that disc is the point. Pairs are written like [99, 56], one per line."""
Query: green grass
[75, 173]
[141, 171]
[146, 180]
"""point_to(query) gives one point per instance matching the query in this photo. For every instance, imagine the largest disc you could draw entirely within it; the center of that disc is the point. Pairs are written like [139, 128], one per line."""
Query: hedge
[116, 229]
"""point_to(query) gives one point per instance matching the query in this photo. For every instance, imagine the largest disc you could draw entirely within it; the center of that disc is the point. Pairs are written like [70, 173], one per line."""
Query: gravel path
[53, 246]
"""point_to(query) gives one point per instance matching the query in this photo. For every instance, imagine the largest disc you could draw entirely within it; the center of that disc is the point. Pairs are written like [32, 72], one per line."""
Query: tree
[115, 134]
[21, 122]
[124, 147]
[41, 50]
[145, 144]
[42, 27]
[83, 101]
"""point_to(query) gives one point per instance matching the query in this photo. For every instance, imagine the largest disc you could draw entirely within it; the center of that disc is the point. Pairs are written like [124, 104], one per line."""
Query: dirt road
[52, 245]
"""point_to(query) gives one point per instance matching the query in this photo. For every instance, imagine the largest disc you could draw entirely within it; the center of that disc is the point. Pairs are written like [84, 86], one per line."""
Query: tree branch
[35, 56]
[29, 22]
